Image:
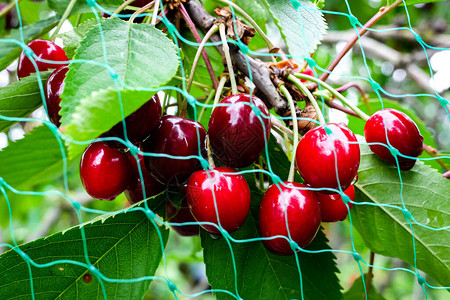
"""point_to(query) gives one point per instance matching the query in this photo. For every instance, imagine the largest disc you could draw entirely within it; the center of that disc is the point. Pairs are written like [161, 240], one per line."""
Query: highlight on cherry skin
[293, 205]
[43, 49]
[333, 208]
[236, 134]
[402, 133]
[223, 189]
[54, 88]
[104, 171]
[328, 160]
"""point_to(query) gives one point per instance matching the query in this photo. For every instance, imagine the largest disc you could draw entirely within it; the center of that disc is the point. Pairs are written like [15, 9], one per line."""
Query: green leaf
[121, 246]
[10, 50]
[357, 125]
[21, 98]
[81, 6]
[100, 111]
[301, 28]
[411, 2]
[386, 230]
[142, 57]
[263, 275]
[35, 159]
[72, 39]
[357, 291]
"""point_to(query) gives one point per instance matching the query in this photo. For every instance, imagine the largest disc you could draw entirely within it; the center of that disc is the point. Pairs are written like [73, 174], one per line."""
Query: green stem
[210, 32]
[155, 12]
[140, 10]
[222, 82]
[252, 22]
[261, 174]
[226, 50]
[122, 6]
[284, 90]
[77, 22]
[335, 93]
[308, 94]
[199, 84]
[210, 97]
[64, 18]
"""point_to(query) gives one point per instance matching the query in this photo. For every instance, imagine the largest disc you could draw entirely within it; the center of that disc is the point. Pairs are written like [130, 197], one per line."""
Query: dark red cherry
[236, 134]
[228, 192]
[303, 216]
[104, 171]
[43, 49]
[177, 137]
[134, 192]
[320, 154]
[140, 124]
[401, 132]
[54, 88]
[333, 208]
[182, 215]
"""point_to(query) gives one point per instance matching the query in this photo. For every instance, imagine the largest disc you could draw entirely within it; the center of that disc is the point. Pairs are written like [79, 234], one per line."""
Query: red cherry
[232, 198]
[307, 71]
[333, 208]
[402, 133]
[140, 124]
[182, 215]
[45, 50]
[54, 88]
[104, 171]
[236, 133]
[177, 137]
[134, 192]
[320, 154]
[303, 216]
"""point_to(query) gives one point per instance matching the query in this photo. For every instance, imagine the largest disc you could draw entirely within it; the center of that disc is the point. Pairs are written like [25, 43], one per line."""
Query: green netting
[87, 262]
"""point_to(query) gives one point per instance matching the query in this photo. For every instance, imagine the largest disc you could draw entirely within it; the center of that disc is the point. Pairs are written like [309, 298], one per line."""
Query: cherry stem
[285, 92]
[222, 82]
[122, 6]
[277, 124]
[226, 51]
[194, 31]
[210, 32]
[7, 8]
[308, 94]
[335, 93]
[63, 18]
[155, 12]
[434, 153]
[252, 22]
[210, 96]
[141, 10]
[370, 272]
[364, 95]
[380, 14]
[211, 163]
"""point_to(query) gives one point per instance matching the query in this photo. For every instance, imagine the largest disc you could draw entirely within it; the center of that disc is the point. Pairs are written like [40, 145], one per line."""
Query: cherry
[134, 191]
[182, 215]
[45, 50]
[333, 208]
[402, 134]
[229, 192]
[104, 171]
[303, 216]
[236, 133]
[54, 88]
[320, 154]
[307, 71]
[177, 137]
[140, 123]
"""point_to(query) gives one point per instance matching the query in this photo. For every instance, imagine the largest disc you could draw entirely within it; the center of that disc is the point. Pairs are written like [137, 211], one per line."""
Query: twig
[370, 273]
[187, 18]
[141, 10]
[434, 153]
[356, 37]
[122, 6]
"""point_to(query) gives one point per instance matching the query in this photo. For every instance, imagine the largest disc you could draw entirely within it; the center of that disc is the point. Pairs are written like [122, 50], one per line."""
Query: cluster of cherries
[327, 158]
